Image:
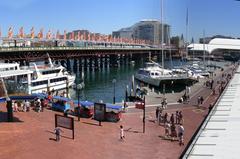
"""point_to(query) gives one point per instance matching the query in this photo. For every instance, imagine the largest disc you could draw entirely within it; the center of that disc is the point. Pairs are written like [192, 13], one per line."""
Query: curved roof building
[217, 44]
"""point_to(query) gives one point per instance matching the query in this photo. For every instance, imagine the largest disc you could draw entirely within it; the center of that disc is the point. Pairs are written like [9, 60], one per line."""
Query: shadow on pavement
[3, 117]
[52, 139]
[90, 123]
[54, 134]
[133, 131]
[168, 138]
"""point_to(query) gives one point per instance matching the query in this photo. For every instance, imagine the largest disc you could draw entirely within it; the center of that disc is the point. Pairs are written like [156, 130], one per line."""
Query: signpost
[65, 122]
[141, 105]
[99, 112]
[144, 114]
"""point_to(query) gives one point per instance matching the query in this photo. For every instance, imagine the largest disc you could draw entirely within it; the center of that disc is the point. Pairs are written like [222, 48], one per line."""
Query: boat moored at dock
[155, 75]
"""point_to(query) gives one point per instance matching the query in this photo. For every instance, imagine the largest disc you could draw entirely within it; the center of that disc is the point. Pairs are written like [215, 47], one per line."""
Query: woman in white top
[121, 132]
[180, 134]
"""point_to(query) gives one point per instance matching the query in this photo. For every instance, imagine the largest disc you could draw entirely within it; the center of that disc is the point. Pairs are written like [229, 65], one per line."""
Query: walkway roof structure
[12, 73]
[215, 44]
[219, 135]
[12, 69]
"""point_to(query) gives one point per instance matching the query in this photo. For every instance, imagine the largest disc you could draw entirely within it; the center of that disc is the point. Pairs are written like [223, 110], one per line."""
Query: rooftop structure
[216, 44]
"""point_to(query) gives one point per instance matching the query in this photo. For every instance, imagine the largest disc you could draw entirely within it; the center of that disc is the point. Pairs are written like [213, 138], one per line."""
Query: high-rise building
[123, 33]
[150, 30]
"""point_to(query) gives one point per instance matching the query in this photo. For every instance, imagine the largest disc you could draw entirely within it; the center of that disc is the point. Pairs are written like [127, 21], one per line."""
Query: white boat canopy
[12, 73]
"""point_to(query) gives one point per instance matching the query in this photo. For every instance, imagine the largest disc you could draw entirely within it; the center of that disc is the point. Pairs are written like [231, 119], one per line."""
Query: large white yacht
[48, 77]
[155, 75]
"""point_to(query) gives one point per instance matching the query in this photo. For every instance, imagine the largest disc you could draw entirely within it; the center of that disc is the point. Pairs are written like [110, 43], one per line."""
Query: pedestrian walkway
[218, 136]
[31, 136]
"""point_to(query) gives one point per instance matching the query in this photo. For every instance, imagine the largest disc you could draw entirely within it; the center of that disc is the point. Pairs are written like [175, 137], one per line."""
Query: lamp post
[114, 81]
[79, 87]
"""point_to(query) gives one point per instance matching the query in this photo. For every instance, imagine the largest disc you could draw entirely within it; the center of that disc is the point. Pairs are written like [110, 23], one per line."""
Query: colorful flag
[40, 34]
[57, 35]
[65, 35]
[84, 36]
[79, 36]
[72, 36]
[32, 33]
[21, 33]
[10, 33]
[89, 36]
[49, 35]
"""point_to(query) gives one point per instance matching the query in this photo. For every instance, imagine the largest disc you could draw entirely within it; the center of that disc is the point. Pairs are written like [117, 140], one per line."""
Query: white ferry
[47, 78]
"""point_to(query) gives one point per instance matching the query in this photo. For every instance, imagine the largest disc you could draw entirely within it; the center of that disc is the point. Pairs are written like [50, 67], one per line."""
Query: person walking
[198, 100]
[24, 106]
[201, 100]
[157, 112]
[211, 86]
[210, 108]
[57, 132]
[165, 118]
[27, 105]
[180, 134]
[122, 137]
[172, 119]
[177, 117]
[173, 131]
[167, 129]
[180, 117]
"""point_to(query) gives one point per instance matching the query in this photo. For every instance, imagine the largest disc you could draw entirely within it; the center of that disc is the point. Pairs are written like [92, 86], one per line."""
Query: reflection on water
[99, 85]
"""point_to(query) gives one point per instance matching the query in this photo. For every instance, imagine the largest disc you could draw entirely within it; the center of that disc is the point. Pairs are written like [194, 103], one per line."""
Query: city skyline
[111, 15]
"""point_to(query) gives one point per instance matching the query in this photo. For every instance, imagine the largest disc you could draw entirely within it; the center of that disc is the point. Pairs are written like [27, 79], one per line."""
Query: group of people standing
[21, 107]
[170, 123]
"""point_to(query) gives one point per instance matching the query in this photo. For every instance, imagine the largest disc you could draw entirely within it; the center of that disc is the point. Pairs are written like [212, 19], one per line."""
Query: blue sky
[105, 16]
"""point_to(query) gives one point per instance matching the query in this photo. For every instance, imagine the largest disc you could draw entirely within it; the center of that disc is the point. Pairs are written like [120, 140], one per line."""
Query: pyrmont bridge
[17, 50]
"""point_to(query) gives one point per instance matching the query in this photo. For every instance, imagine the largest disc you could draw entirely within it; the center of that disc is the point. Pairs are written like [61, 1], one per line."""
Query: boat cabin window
[39, 83]
[50, 72]
[58, 79]
[156, 74]
[152, 74]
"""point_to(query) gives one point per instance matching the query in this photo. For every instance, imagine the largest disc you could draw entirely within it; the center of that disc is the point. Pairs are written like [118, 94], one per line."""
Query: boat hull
[157, 82]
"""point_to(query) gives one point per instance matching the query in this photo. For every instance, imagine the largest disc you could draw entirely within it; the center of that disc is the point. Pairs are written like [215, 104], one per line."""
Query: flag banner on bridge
[32, 33]
[65, 35]
[10, 32]
[58, 35]
[21, 33]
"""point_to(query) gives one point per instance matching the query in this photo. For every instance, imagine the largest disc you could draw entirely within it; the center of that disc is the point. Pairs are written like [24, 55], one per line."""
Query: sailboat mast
[170, 51]
[187, 33]
[162, 33]
[204, 48]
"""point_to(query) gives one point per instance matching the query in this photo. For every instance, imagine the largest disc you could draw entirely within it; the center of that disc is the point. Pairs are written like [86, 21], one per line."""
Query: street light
[114, 81]
[79, 87]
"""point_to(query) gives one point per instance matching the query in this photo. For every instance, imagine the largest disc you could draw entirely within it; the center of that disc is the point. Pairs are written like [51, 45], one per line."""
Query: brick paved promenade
[31, 136]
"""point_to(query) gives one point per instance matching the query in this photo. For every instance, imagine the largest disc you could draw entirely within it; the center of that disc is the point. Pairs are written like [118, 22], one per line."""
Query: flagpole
[162, 33]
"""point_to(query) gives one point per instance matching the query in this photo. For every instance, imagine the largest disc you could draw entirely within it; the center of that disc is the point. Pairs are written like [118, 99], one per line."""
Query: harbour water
[99, 85]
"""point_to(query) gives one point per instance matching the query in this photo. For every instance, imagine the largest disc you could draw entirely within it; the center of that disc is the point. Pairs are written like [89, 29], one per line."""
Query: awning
[62, 98]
